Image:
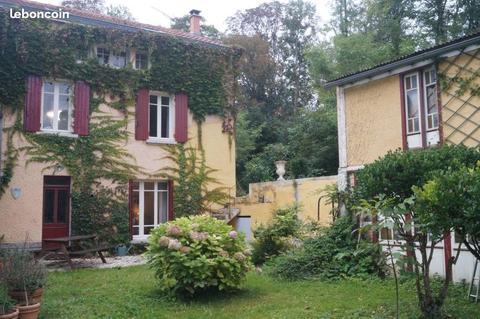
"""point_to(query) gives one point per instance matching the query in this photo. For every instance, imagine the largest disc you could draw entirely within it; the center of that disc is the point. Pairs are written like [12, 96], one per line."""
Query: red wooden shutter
[181, 118]
[81, 108]
[141, 115]
[33, 100]
[170, 200]
[130, 208]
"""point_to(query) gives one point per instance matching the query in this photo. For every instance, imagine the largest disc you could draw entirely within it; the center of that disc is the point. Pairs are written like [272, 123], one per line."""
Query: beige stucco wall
[21, 219]
[460, 119]
[373, 120]
[278, 194]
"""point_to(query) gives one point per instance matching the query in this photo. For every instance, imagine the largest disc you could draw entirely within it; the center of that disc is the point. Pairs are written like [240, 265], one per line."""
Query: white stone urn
[280, 169]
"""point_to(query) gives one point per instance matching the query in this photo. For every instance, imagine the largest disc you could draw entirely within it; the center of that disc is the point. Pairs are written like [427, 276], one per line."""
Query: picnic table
[67, 248]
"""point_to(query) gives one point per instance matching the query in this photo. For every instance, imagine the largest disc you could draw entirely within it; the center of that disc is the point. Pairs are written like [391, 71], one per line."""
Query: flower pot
[29, 312]
[33, 297]
[11, 315]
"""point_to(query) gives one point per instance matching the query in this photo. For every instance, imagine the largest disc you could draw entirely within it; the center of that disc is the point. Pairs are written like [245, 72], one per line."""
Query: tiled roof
[87, 17]
[414, 57]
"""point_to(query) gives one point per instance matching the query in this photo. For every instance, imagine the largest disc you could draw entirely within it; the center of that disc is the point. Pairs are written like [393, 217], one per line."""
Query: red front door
[56, 207]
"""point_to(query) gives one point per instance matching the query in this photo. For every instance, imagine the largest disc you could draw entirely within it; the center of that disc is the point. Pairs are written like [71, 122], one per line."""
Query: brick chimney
[195, 21]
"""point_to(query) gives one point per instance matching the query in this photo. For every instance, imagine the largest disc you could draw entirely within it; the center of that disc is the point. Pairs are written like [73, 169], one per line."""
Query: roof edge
[411, 59]
[100, 20]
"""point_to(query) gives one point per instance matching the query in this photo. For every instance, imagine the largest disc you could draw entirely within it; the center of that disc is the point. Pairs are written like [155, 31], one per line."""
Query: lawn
[132, 293]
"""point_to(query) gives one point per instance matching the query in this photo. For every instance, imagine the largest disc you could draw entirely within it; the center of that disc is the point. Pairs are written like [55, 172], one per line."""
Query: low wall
[264, 198]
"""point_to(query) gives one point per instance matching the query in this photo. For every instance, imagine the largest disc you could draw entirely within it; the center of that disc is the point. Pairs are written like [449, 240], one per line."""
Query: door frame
[68, 187]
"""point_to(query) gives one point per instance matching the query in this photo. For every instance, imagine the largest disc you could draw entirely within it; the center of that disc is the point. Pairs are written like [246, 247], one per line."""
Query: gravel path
[112, 262]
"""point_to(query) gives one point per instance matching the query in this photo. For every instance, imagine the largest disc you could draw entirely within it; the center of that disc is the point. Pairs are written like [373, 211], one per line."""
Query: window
[412, 104]
[141, 61]
[57, 106]
[160, 117]
[150, 206]
[431, 105]
[111, 58]
[421, 108]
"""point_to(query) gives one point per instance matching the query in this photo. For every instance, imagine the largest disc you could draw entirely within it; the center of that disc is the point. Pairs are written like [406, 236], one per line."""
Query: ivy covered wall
[64, 51]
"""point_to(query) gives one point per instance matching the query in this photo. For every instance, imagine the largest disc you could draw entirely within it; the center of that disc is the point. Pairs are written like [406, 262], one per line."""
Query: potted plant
[8, 309]
[24, 278]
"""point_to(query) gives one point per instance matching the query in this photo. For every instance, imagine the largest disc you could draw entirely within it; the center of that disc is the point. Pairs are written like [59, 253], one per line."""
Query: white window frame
[112, 53]
[134, 62]
[171, 121]
[429, 70]
[410, 75]
[56, 95]
[141, 207]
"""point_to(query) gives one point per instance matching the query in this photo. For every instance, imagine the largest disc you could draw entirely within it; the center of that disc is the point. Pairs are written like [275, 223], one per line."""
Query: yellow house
[420, 100]
[423, 99]
[123, 91]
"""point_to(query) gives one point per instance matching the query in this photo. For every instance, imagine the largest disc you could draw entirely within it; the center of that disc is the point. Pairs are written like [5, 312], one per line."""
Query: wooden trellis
[460, 98]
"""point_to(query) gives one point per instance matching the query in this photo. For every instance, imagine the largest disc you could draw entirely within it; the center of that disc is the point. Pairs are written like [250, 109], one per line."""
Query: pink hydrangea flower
[164, 241]
[233, 234]
[239, 256]
[223, 253]
[185, 249]
[174, 230]
[194, 235]
[174, 244]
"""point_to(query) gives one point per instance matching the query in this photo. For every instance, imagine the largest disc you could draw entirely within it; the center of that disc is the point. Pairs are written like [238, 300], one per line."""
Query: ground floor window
[149, 206]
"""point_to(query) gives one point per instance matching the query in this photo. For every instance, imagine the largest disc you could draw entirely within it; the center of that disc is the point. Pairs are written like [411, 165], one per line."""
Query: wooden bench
[66, 247]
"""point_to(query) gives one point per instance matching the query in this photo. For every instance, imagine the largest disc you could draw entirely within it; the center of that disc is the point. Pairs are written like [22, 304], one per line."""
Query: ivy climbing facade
[91, 109]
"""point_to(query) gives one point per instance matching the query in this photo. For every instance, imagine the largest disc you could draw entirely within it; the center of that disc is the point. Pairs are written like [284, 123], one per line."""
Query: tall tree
[98, 6]
[436, 18]
[289, 30]
[390, 22]
[119, 11]
[88, 5]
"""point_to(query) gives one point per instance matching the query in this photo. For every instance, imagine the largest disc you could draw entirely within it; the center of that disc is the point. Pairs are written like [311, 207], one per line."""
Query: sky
[156, 12]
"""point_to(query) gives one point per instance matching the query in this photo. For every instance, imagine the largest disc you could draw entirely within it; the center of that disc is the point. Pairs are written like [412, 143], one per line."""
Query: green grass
[132, 293]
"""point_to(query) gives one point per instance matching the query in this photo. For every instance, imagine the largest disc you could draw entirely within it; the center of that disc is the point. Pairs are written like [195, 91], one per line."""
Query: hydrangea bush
[197, 253]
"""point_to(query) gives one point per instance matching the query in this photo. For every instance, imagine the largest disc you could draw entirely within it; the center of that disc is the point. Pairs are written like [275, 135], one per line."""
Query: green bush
[276, 237]
[395, 173]
[20, 270]
[331, 255]
[197, 253]
[7, 304]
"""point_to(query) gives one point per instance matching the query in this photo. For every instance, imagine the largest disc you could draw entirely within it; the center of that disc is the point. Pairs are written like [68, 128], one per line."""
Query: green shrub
[20, 270]
[331, 255]
[273, 239]
[7, 304]
[197, 253]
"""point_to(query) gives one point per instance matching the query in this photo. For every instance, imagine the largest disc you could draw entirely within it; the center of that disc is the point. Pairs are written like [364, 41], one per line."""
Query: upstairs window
[111, 58]
[431, 100]
[161, 115]
[422, 118]
[141, 61]
[57, 106]
[412, 103]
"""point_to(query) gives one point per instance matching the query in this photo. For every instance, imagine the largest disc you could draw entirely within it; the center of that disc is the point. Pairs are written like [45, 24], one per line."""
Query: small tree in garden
[393, 187]
[419, 227]
[197, 253]
[455, 196]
